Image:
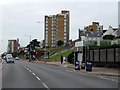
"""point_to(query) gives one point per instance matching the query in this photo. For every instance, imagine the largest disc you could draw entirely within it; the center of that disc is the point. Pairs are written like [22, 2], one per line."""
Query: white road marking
[105, 78]
[27, 69]
[45, 85]
[108, 79]
[30, 71]
[113, 80]
[38, 78]
[99, 76]
[33, 74]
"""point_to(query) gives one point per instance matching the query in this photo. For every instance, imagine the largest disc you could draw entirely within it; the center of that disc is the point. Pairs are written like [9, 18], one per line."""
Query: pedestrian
[61, 59]
[64, 60]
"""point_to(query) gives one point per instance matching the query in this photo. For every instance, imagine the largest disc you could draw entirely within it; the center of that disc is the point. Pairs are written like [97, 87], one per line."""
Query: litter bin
[83, 66]
[88, 66]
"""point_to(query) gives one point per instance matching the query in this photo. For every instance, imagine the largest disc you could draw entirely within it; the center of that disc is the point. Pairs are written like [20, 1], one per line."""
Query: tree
[33, 45]
[71, 58]
[60, 43]
[108, 37]
[3, 55]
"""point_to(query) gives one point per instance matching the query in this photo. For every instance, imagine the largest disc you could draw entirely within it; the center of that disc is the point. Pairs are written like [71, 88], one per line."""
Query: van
[9, 58]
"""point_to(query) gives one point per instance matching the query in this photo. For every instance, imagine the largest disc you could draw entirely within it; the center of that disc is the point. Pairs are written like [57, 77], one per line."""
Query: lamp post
[30, 48]
[45, 49]
[44, 41]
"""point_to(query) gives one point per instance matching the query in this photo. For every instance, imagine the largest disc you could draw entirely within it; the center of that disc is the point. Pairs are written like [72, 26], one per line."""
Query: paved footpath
[95, 70]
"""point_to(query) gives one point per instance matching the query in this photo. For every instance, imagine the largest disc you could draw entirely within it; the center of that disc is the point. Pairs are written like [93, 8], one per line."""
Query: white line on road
[27, 69]
[30, 71]
[113, 80]
[33, 74]
[38, 78]
[45, 85]
[102, 77]
[108, 79]
[99, 76]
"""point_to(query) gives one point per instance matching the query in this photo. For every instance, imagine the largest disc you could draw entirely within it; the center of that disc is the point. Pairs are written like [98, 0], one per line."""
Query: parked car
[9, 60]
[16, 58]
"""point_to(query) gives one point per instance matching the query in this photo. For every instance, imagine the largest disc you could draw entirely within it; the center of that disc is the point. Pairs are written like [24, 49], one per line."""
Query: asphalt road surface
[23, 74]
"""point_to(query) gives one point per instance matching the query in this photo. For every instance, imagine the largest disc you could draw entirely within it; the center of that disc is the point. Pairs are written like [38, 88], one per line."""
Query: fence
[103, 57]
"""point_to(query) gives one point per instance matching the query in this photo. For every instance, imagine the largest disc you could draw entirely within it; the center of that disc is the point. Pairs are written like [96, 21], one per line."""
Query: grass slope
[58, 56]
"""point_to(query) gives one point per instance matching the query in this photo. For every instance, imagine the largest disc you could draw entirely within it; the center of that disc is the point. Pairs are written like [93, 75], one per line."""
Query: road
[23, 74]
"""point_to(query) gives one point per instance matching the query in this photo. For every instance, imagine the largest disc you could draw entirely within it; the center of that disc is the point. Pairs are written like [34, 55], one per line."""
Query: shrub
[71, 57]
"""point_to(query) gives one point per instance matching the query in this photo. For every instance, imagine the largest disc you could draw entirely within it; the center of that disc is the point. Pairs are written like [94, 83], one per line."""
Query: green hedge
[104, 47]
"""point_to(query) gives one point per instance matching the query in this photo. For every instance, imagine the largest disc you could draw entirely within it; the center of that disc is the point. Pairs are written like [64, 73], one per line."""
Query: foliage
[71, 57]
[15, 54]
[3, 54]
[60, 43]
[22, 53]
[104, 47]
[33, 44]
[108, 37]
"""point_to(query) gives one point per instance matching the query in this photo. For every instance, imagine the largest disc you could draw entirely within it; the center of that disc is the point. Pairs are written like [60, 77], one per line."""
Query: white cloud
[20, 18]
[6, 2]
[0, 23]
[119, 13]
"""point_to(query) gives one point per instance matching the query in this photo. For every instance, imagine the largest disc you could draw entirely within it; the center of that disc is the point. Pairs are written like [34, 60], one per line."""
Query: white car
[9, 60]
[16, 58]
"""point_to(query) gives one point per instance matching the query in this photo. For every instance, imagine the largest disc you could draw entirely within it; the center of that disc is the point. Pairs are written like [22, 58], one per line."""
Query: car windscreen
[10, 58]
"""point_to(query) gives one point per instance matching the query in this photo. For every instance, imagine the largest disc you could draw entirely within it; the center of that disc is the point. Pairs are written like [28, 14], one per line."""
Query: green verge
[58, 56]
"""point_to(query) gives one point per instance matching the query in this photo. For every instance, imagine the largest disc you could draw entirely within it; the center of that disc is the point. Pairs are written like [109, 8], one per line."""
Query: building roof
[111, 31]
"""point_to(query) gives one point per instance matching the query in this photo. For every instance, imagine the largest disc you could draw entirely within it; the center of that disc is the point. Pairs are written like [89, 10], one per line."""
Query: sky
[19, 18]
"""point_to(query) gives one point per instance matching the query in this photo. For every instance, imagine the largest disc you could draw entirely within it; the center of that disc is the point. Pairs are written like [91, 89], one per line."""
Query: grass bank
[58, 56]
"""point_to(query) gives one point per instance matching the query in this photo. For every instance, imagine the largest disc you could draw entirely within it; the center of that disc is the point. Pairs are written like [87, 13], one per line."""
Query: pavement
[95, 70]
[1, 63]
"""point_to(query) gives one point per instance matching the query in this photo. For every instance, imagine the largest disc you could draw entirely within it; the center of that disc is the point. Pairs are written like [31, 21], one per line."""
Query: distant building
[13, 46]
[112, 31]
[57, 28]
[91, 32]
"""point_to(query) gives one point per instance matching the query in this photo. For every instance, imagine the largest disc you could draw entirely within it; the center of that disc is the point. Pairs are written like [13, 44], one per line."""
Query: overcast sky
[19, 17]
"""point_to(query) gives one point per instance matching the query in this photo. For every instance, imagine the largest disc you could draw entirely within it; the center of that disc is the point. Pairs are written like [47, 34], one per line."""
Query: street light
[30, 48]
[45, 41]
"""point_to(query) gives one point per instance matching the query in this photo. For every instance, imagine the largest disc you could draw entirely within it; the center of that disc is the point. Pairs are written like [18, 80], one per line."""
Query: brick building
[57, 28]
